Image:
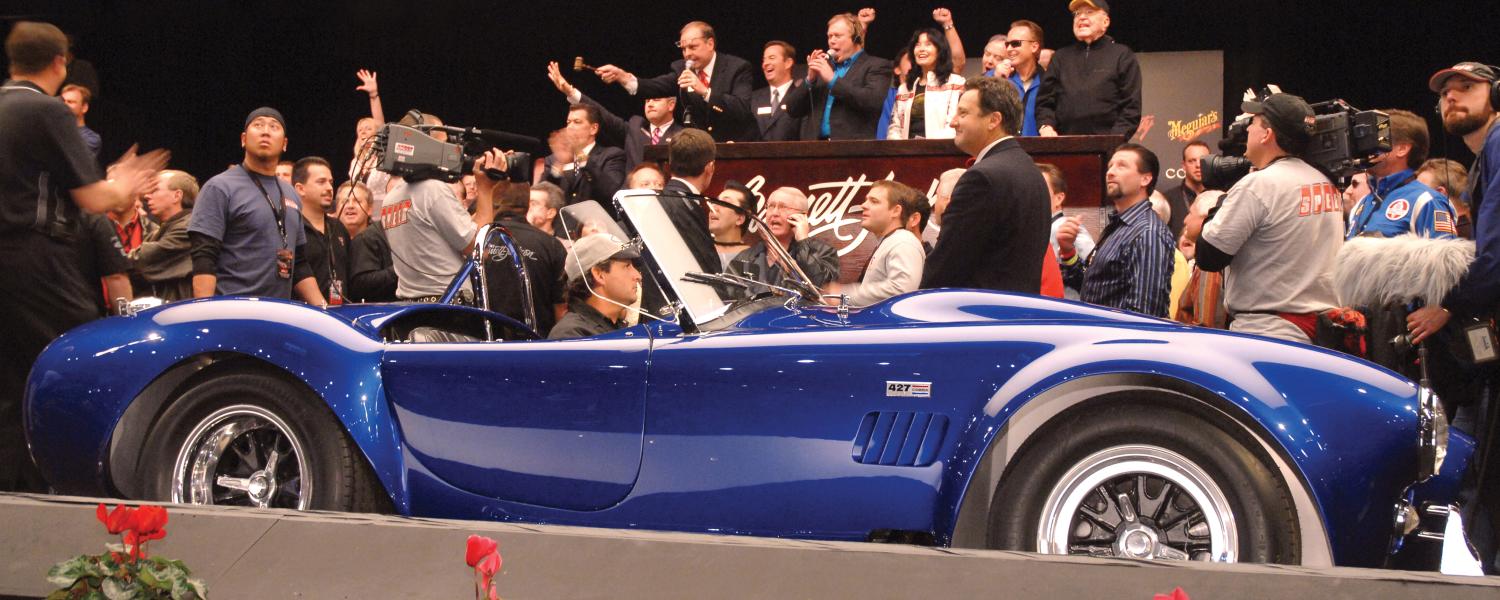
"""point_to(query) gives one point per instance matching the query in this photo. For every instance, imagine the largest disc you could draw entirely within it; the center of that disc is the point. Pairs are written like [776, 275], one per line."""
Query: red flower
[1177, 594]
[117, 520]
[479, 547]
[489, 565]
[150, 523]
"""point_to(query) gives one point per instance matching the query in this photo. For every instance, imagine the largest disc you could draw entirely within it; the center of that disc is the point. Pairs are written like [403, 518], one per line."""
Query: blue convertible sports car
[950, 417]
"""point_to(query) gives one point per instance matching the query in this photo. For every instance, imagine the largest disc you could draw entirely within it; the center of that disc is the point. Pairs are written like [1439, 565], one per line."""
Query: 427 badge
[908, 389]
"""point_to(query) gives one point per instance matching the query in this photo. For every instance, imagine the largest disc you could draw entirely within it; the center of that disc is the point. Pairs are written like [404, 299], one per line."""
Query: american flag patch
[1442, 222]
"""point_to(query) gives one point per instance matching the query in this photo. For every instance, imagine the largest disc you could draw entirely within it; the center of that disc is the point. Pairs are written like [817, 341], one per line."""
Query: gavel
[579, 66]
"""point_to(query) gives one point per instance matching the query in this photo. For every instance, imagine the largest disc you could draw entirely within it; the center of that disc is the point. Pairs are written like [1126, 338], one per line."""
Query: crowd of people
[1257, 257]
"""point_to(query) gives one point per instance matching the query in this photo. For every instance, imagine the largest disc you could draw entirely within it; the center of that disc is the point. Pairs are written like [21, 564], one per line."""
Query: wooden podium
[834, 175]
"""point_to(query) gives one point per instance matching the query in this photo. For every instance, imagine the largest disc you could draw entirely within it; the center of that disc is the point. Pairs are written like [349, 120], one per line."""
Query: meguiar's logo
[1187, 131]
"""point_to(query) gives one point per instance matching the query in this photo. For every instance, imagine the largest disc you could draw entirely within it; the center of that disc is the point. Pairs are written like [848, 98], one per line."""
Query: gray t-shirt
[1284, 226]
[428, 229]
[231, 209]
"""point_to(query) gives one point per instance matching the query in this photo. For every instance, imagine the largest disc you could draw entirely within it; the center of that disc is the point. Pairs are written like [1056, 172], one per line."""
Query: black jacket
[598, 180]
[1091, 89]
[582, 321]
[726, 114]
[634, 135]
[858, 98]
[775, 123]
[372, 274]
[995, 228]
[544, 257]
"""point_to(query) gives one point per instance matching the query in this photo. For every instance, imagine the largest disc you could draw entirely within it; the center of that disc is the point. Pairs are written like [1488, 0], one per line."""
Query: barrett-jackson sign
[836, 175]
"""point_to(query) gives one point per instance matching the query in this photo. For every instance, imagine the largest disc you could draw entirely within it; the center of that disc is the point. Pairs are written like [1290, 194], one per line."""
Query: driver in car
[602, 285]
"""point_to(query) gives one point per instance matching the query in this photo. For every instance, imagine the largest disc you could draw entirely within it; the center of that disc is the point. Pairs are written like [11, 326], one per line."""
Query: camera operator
[1277, 232]
[47, 177]
[1399, 203]
[430, 232]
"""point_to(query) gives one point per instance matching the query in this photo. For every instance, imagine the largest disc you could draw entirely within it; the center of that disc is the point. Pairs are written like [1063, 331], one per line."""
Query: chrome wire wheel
[1138, 501]
[242, 455]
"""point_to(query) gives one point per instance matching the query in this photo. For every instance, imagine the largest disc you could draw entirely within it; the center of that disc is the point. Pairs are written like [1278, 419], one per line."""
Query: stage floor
[247, 553]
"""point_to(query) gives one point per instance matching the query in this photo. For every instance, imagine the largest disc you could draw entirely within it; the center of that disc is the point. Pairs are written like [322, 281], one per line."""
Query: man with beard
[327, 246]
[1181, 197]
[246, 226]
[1131, 268]
[1468, 97]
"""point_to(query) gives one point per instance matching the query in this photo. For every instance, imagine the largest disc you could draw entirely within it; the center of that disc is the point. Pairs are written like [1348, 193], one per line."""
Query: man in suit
[583, 168]
[712, 88]
[656, 126]
[772, 121]
[692, 158]
[995, 228]
[846, 87]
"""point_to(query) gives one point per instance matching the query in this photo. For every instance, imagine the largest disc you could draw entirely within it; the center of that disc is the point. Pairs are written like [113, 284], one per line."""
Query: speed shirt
[428, 229]
[1284, 226]
[1400, 205]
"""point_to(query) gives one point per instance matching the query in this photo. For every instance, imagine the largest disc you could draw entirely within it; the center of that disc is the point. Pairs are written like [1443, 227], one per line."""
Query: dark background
[183, 75]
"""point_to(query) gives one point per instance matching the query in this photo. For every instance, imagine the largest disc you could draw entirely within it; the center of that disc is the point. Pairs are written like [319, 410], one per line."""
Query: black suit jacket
[726, 114]
[692, 223]
[634, 134]
[774, 123]
[598, 180]
[995, 228]
[858, 98]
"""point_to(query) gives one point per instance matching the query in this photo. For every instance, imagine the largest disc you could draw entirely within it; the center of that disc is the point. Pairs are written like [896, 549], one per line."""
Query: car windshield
[708, 291]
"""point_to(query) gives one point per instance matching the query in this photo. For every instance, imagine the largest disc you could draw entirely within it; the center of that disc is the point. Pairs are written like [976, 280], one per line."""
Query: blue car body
[784, 423]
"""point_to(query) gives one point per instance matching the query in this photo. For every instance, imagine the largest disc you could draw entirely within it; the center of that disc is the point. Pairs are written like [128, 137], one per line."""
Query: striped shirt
[1131, 268]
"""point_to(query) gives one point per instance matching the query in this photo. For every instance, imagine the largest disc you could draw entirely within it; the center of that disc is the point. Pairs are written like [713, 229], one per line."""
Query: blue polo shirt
[1028, 96]
[839, 70]
[231, 209]
[1407, 206]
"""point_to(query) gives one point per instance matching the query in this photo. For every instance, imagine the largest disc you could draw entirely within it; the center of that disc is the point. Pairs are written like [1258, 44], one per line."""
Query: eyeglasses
[688, 43]
[1016, 43]
[784, 208]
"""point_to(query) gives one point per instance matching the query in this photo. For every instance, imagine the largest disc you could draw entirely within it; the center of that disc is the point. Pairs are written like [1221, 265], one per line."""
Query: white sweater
[941, 102]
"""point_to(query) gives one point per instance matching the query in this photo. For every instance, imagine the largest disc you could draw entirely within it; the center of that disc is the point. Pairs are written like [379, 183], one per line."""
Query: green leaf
[115, 589]
[63, 574]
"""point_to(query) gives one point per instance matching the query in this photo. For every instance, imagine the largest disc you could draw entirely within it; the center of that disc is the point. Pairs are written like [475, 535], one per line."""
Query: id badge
[284, 263]
[1481, 338]
[335, 292]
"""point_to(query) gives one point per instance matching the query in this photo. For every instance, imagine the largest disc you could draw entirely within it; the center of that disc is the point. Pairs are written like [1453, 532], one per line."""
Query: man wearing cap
[1277, 232]
[246, 227]
[602, 285]
[1468, 99]
[1094, 86]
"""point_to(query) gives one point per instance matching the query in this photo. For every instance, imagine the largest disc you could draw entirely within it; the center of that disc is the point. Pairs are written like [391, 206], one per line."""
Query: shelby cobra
[749, 406]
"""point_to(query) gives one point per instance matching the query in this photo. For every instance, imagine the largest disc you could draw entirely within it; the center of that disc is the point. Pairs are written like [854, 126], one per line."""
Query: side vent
[903, 439]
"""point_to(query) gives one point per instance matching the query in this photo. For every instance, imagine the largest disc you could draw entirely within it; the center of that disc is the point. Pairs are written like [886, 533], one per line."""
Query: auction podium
[835, 175]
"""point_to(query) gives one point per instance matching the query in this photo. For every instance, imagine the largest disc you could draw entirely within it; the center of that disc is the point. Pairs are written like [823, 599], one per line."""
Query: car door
[554, 423]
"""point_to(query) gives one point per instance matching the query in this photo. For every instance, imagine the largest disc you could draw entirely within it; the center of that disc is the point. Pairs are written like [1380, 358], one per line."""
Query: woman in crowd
[731, 229]
[929, 91]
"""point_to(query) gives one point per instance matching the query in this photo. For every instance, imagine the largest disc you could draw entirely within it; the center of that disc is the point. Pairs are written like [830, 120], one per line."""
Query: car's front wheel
[248, 439]
[1148, 482]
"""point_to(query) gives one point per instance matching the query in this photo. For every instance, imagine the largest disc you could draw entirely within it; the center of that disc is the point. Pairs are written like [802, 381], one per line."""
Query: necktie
[775, 97]
[703, 76]
[655, 135]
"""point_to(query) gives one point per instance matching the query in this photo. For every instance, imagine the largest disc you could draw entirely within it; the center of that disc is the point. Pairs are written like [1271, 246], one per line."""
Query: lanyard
[277, 210]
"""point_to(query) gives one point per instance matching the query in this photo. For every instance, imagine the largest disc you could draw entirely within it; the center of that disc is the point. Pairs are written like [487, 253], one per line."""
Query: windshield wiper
[715, 278]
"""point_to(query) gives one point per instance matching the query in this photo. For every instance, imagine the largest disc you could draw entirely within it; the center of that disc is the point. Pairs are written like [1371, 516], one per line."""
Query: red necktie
[703, 76]
[969, 162]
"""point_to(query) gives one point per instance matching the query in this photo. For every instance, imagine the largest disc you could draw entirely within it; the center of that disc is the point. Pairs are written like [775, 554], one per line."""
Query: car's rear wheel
[1116, 479]
[248, 439]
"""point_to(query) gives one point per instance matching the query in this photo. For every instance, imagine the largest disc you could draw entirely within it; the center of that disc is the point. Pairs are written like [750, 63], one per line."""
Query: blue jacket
[1028, 97]
[1479, 291]
[1400, 204]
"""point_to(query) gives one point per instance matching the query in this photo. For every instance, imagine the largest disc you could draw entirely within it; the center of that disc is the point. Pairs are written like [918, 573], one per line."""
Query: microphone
[687, 112]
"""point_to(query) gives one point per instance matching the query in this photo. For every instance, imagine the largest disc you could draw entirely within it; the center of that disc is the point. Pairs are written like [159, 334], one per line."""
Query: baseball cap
[1468, 70]
[265, 111]
[1077, 4]
[1289, 116]
[590, 250]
